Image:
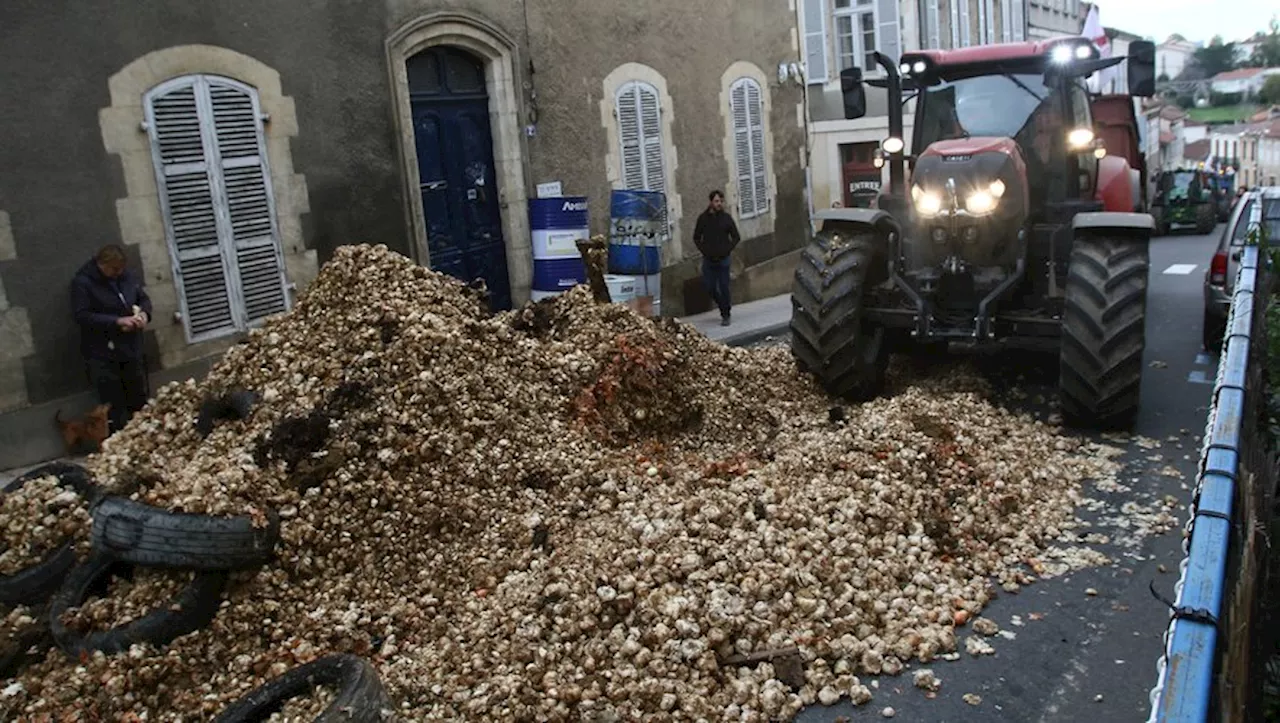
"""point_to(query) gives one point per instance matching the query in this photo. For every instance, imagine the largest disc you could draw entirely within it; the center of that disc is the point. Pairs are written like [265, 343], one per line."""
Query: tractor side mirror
[855, 95]
[1142, 68]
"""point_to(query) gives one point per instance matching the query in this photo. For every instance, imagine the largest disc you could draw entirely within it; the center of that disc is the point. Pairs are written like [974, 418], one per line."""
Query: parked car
[1220, 277]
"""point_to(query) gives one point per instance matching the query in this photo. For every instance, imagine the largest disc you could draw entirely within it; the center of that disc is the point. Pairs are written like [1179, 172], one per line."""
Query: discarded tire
[360, 697]
[36, 583]
[71, 475]
[153, 537]
[234, 405]
[191, 610]
[25, 646]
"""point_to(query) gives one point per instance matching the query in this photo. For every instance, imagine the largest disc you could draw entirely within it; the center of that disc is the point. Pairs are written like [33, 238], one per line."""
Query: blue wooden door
[455, 164]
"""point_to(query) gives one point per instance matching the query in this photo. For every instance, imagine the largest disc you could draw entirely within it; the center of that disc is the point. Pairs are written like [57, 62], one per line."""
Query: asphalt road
[1080, 657]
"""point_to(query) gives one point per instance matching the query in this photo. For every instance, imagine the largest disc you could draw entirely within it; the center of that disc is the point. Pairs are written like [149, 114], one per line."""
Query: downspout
[802, 61]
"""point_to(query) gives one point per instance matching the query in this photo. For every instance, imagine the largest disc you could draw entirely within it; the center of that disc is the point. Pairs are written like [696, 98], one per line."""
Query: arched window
[215, 196]
[747, 111]
[640, 133]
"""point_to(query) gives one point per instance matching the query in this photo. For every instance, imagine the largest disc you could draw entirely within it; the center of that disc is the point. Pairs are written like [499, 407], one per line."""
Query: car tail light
[1218, 269]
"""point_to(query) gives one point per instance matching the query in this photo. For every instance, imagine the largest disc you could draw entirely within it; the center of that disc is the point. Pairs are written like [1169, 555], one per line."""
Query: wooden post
[595, 256]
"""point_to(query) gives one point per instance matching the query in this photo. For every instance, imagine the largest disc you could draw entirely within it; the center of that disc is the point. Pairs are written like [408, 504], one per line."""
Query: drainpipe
[803, 59]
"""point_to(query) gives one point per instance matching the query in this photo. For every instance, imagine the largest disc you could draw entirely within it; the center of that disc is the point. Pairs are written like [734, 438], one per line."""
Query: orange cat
[86, 432]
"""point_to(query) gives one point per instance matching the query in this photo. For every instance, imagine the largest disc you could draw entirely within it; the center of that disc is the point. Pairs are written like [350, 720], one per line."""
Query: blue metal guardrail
[1187, 687]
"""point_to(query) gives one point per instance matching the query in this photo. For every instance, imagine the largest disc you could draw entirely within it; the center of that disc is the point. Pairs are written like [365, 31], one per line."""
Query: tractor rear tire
[1103, 331]
[829, 337]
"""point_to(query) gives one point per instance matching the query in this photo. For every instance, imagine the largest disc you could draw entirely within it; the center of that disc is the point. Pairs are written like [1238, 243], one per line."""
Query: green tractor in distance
[1023, 224]
[1184, 198]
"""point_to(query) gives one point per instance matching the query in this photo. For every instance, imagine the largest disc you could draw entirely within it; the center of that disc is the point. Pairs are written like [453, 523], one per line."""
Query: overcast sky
[1196, 20]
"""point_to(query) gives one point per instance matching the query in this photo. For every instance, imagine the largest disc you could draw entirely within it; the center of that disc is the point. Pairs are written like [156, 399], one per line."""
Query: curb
[748, 338]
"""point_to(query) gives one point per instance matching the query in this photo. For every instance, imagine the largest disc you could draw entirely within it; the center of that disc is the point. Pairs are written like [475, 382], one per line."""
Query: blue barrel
[637, 222]
[556, 225]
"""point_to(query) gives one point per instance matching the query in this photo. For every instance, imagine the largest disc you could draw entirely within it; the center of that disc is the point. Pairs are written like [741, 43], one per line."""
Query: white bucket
[651, 286]
[621, 288]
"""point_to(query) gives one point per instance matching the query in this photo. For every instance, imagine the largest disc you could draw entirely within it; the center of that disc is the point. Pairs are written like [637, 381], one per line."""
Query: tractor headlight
[928, 203]
[892, 144]
[1079, 139]
[1061, 54]
[980, 203]
[997, 188]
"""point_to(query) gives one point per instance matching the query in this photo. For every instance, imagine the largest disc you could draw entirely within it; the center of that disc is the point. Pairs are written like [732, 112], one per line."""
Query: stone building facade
[232, 146]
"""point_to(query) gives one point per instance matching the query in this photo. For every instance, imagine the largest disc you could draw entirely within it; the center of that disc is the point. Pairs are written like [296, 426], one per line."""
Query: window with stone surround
[216, 199]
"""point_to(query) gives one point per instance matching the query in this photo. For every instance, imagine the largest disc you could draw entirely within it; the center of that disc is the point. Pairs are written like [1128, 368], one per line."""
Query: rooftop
[1197, 150]
[1238, 74]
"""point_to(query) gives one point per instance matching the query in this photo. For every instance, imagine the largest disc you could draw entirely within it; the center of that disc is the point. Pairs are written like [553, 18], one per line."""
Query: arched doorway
[454, 147]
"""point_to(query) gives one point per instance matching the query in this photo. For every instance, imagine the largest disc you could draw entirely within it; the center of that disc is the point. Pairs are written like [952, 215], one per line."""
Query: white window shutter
[629, 134]
[742, 148]
[250, 207]
[655, 176]
[815, 40]
[888, 36]
[759, 176]
[215, 195]
[1019, 19]
[966, 30]
[1006, 21]
[935, 25]
[186, 181]
[989, 23]
[955, 23]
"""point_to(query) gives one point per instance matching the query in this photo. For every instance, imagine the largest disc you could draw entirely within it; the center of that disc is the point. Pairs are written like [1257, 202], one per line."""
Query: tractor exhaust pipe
[897, 161]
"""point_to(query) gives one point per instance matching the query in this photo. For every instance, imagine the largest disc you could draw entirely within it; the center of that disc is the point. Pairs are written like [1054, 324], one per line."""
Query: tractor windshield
[1178, 185]
[1003, 106]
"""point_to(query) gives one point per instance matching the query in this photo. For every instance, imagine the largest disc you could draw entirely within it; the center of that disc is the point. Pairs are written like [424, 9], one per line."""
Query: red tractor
[1024, 224]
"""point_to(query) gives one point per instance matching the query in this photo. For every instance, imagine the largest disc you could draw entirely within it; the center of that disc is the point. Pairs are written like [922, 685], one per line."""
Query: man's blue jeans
[715, 276]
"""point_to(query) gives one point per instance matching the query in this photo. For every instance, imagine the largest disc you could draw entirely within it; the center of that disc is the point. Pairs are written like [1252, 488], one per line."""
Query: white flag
[1100, 82]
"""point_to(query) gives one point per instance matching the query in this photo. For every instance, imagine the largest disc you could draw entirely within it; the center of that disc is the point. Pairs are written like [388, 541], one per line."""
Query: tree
[1267, 53]
[1216, 57]
[1270, 92]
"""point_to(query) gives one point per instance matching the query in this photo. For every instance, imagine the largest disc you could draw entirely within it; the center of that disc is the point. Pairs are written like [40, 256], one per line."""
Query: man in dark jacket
[716, 235]
[112, 310]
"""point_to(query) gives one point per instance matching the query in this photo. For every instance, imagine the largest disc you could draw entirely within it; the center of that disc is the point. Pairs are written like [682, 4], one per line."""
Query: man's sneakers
[724, 320]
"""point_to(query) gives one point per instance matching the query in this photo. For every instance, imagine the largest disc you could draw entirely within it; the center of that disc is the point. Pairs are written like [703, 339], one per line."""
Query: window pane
[463, 73]
[424, 74]
[845, 49]
[1242, 226]
[868, 41]
[842, 4]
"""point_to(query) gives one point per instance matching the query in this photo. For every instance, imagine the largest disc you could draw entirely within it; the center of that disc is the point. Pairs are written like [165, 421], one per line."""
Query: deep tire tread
[828, 338]
[1104, 331]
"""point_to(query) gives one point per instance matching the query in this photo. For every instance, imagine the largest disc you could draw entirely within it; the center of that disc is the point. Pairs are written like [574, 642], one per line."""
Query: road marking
[1203, 358]
[1180, 269]
[1199, 377]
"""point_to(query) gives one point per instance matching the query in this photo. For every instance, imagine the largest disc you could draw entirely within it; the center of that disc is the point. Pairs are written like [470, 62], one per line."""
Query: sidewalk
[752, 321]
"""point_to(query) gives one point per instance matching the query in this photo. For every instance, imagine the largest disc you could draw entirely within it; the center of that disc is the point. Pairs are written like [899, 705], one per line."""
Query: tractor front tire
[829, 337]
[1103, 331]
[1157, 213]
[1206, 219]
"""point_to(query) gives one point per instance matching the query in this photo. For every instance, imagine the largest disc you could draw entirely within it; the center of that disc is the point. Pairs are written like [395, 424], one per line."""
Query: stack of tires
[127, 535]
